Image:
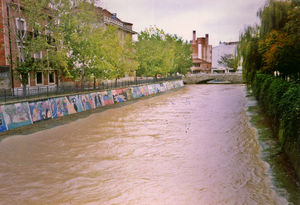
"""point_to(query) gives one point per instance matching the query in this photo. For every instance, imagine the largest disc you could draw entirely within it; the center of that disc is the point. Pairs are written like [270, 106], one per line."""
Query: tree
[229, 61]
[248, 52]
[161, 54]
[182, 56]
[274, 46]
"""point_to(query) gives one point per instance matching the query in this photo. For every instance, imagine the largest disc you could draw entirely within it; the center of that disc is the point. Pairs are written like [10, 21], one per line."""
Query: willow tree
[248, 51]
[274, 46]
[280, 38]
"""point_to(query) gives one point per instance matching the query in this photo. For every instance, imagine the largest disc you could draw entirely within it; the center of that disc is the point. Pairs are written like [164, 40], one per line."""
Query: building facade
[224, 48]
[125, 28]
[10, 23]
[201, 54]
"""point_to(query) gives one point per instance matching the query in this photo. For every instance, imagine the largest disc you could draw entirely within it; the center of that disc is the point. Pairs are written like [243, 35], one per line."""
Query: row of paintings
[21, 114]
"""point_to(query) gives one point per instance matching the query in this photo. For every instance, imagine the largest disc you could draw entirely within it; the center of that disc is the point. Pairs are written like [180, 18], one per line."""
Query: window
[38, 54]
[21, 24]
[39, 78]
[21, 27]
[200, 51]
[21, 53]
[28, 79]
[196, 64]
[51, 77]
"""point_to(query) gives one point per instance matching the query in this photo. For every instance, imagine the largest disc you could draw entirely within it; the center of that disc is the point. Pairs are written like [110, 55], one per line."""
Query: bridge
[235, 78]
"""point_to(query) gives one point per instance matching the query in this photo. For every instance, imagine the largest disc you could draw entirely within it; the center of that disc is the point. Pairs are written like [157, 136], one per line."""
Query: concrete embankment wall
[26, 113]
[235, 78]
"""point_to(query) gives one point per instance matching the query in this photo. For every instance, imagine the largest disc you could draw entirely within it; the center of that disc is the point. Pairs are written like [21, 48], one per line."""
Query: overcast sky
[223, 20]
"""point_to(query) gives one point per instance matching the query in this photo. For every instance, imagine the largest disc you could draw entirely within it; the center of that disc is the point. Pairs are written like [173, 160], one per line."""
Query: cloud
[222, 20]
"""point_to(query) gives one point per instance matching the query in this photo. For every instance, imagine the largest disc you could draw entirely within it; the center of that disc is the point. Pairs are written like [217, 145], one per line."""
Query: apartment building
[125, 28]
[11, 23]
[201, 54]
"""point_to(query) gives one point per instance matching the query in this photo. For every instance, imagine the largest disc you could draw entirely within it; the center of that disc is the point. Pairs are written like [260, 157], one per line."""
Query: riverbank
[280, 101]
[281, 170]
[15, 116]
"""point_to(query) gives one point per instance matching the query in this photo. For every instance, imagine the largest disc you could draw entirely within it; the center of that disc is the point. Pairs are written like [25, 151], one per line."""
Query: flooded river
[191, 146]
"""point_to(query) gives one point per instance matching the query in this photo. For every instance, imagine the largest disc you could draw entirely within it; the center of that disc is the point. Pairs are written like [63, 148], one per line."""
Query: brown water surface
[192, 146]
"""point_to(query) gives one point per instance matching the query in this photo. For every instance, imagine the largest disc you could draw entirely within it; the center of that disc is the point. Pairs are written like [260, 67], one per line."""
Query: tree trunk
[24, 89]
[82, 80]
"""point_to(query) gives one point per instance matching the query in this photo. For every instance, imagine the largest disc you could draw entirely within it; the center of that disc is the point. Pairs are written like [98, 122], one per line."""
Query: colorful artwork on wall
[119, 95]
[162, 88]
[21, 114]
[40, 110]
[3, 126]
[136, 92]
[106, 97]
[59, 107]
[144, 90]
[151, 89]
[97, 99]
[169, 85]
[75, 102]
[129, 94]
[87, 102]
[17, 115]
[70, 106]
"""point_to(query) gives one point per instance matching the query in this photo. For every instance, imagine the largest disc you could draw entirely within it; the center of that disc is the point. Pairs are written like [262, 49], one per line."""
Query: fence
[46, 91]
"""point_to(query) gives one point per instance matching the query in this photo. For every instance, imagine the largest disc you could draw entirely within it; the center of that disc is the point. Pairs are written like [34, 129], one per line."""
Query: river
[190, 146]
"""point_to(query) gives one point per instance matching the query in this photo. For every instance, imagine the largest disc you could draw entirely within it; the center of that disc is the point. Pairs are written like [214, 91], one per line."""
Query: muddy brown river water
[191, 146]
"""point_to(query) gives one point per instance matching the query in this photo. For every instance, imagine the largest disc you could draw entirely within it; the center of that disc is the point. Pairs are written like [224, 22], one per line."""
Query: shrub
[289, 105]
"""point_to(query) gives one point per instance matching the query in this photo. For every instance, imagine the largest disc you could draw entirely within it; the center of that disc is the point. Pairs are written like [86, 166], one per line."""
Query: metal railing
[47, 91]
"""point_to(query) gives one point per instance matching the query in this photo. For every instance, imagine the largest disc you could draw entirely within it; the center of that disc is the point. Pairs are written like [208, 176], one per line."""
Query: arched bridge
[235, 78]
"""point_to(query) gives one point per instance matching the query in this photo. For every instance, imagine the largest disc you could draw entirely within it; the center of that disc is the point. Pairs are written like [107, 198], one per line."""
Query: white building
[224, 48]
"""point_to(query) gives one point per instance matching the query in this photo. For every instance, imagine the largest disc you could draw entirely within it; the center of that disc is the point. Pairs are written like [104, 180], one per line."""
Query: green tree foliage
[162, 54]
[271, 65]
[182, 55]
[248, 51]
[75, 40]
[281, 101]
[229, 61]
[274, 46]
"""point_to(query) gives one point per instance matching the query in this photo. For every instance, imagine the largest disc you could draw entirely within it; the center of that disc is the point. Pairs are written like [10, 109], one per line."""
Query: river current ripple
[191, 146]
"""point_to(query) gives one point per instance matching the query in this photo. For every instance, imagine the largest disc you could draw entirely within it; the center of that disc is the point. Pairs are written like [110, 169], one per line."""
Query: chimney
[206, 38]
[194, 36]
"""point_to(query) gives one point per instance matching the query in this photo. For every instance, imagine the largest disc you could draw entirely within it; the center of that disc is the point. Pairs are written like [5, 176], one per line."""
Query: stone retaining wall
[198, 78]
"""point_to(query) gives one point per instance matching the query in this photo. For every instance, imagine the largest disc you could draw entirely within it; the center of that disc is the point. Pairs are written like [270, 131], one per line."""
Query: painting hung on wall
[97, 99]
[17, 115]
[119, 95]
[2, 121]
[75, 102]
[87, 102]
[40, 110]
[59, 107]
[106, 97]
